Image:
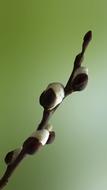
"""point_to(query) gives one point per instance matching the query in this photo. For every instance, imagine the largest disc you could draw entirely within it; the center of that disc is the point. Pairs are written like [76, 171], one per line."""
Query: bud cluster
[51, 97]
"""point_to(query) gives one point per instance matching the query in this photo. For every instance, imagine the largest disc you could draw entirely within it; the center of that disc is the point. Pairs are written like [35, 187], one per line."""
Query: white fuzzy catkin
[58, 89]
[42, 135]
[80, 70]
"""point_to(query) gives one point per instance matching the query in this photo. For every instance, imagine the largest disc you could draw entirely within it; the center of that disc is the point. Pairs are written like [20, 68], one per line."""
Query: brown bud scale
[31, 145]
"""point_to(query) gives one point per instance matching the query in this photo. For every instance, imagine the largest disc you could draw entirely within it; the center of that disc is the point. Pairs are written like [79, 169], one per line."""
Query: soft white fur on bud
[58, 89]
[80, 70]
[42, 135]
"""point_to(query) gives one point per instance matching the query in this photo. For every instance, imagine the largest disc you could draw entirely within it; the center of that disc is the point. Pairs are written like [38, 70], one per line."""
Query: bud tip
[88, 36]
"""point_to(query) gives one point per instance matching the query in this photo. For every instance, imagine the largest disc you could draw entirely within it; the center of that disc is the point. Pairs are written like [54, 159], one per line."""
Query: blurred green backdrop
[38, 44]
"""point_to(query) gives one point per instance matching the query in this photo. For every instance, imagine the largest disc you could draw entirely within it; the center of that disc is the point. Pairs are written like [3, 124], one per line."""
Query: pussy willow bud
[87, 39]
[31, 145]
[80, 79]
[11, 156]
[52, 96]
[42, 136]
[36, 141]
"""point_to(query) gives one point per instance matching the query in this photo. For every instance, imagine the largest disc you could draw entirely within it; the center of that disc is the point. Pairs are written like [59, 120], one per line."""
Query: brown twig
[50, 99]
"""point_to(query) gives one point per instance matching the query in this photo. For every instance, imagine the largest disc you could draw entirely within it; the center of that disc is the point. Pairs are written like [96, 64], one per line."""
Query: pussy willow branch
[47, 113]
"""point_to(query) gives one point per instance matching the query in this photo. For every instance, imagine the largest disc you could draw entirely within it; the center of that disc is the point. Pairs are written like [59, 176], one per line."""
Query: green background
[38, 43]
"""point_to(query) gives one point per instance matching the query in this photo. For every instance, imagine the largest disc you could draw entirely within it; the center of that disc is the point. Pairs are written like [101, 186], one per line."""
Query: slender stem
[46, 116]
